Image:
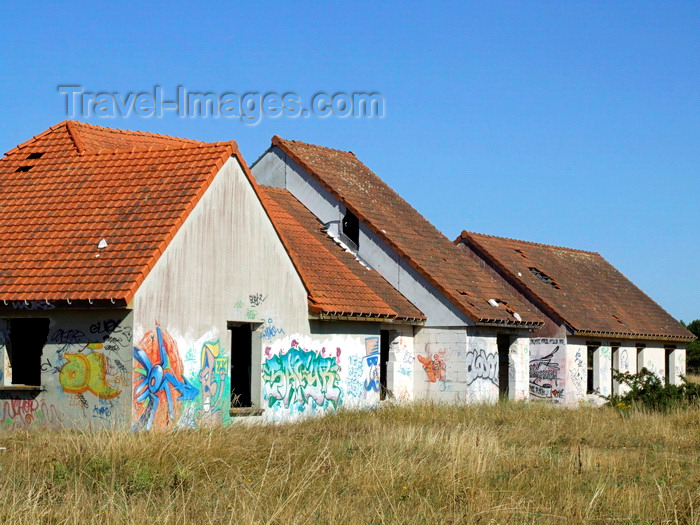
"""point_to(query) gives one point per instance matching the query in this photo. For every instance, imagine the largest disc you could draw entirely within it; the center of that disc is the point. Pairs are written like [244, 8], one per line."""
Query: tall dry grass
[506, 463]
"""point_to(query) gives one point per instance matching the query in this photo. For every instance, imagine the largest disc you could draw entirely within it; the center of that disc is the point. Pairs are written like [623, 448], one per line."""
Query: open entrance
[503, 341]
[383, 360]
[241, 364]
[24, 347]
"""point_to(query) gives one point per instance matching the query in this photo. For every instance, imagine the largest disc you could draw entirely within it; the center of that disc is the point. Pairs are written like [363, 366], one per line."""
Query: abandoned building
[596, 320]
[152, 282]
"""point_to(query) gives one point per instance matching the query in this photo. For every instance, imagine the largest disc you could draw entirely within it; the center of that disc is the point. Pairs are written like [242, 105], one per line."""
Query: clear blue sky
[574, 124]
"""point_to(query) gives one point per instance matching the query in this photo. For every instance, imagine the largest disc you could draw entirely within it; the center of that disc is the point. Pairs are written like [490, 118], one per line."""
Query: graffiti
[256, 299]
[270, 331]
[101, 412]
[158, 379]
[28, 412]
[546, 379]
[481, 365]
[624, 361]
[405, 371]
[212, 377]
[250, 314]
[68, 337]
[86, 372]
[355, 373]
[79, 400]
[301, 378]
[576, 374]
[238, 305]
[434, 367]
[371, 382]
[32, 305]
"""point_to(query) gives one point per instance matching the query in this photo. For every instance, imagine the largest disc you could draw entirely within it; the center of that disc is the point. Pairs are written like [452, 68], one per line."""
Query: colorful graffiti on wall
[86, 373]
[212, 378]
[546, 370]
[434, 367]
[25, 413]
[300, 379]
[159, 383]
[372, 381]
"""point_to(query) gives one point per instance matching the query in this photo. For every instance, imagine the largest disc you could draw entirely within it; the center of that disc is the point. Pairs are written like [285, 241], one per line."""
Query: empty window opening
[503, 342]
[23, 168]
[36, 155]
[544, 278]
[592, 364]
[24, 348]
[241, 363]
[351, 227]
[384, 342]
[668, 361]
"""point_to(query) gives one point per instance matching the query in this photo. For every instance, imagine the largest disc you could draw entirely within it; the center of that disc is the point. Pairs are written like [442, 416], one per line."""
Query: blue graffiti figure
[372, 383]
[158, 377]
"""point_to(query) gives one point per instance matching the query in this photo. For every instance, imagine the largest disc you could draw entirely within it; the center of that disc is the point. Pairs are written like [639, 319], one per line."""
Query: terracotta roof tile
[580, 287]
[335, 280]
[91, 183]
[415, 239]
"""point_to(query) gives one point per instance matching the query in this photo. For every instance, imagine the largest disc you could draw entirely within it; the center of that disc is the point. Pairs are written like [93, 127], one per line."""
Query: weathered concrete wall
[276, 169]
[85, 372]
[624, 360]
[225, 265]
[576, 372]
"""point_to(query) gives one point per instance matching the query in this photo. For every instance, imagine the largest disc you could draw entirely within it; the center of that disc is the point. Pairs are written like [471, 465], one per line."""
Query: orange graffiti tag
[434, 367]
[86, 372]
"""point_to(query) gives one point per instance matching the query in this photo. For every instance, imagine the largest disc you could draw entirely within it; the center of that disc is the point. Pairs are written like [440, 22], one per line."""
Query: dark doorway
[383, 360]
[241, 362]
[26, 343]
[503, 341]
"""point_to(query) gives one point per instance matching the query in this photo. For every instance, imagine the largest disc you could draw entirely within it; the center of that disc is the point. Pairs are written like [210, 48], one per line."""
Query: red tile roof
[75, 184]
[581, 288]
[417, 241]
[336, 282]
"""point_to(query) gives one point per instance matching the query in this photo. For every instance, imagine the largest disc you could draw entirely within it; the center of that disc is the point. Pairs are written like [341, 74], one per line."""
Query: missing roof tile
[521, 253]
[36, 155]
[23, 169]
[544, 277]
[618, 319]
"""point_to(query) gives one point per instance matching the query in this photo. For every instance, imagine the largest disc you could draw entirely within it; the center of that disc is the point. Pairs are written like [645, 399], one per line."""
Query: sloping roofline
[281, 143]
[132, 149]
[546, 305]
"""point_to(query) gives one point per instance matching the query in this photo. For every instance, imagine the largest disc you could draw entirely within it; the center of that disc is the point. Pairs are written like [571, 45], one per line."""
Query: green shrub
[648, 391]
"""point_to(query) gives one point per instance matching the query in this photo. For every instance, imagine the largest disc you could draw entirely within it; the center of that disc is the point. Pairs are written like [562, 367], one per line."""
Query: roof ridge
[26, 143]
[276, 140]
[465, 235]
[173, 147]
[452, 296]
[79, 124]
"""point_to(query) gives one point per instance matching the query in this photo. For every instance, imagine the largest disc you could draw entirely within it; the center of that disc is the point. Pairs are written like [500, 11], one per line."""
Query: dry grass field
[505, 463]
